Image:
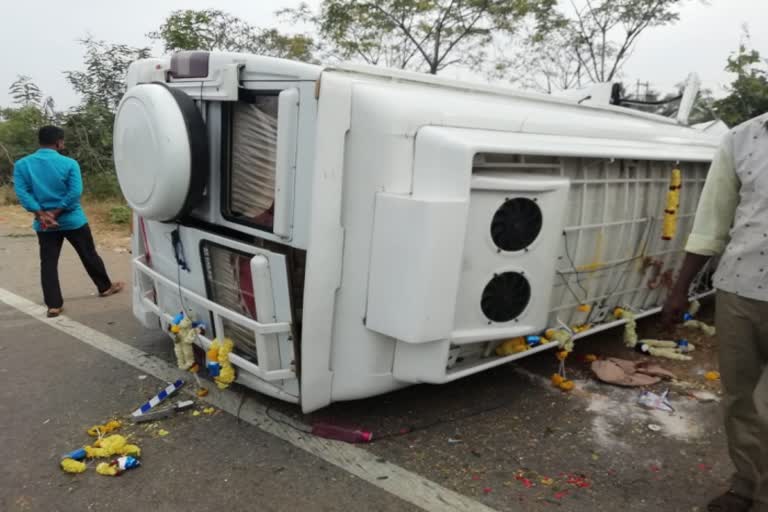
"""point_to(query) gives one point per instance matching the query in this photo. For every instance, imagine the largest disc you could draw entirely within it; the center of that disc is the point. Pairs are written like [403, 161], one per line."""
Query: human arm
[74, 184]
[711, 228]
[23, 188]
[74, 190]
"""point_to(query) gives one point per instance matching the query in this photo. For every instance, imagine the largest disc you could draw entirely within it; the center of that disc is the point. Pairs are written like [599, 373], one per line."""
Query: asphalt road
[504, 439]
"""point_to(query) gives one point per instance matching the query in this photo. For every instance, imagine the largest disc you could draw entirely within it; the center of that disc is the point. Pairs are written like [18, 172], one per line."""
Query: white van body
[415, 222]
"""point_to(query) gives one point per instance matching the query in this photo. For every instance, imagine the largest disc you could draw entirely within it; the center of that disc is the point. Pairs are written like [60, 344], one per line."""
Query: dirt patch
[16, 222]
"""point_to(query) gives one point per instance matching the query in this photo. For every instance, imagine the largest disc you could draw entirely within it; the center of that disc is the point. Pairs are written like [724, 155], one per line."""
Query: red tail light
[143, 234]
[242, 267]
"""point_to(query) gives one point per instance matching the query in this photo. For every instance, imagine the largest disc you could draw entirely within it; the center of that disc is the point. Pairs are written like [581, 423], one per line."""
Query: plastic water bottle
[348, 435]
[78, 454]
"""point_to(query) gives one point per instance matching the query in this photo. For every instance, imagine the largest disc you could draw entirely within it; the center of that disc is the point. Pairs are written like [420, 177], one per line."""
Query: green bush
[120, 215]
[101, 186]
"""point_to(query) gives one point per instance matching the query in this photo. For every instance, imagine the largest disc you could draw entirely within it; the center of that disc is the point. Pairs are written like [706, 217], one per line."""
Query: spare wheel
[161, 152]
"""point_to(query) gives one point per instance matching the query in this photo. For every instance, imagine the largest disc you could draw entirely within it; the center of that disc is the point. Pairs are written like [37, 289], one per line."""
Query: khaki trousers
[742, 330]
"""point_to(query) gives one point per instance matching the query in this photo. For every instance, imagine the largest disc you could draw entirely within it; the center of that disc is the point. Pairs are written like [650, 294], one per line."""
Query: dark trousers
[50, 248]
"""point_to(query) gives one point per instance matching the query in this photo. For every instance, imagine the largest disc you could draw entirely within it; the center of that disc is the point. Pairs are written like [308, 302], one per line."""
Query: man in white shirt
[732, 223]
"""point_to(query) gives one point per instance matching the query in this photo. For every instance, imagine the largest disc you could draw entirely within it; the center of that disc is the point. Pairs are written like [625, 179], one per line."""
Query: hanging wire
[645, 240]
[573, 266]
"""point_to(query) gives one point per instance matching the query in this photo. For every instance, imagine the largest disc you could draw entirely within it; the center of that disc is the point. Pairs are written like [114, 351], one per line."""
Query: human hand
[674, 309]
[47, 220]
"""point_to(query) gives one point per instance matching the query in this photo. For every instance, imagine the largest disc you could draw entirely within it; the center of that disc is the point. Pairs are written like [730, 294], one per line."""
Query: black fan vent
[505, 297]
[516, 224]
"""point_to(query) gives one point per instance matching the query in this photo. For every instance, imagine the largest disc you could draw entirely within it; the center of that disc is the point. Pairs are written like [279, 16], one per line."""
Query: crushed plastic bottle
[125, 463]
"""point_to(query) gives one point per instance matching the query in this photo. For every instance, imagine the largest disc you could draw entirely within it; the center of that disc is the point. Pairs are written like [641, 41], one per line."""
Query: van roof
[403, 76]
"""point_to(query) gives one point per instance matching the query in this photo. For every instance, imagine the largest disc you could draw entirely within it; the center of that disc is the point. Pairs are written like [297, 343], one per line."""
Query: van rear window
[250, 171]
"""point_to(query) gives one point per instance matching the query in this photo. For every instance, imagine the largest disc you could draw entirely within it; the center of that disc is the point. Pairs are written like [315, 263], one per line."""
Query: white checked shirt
[732, 217]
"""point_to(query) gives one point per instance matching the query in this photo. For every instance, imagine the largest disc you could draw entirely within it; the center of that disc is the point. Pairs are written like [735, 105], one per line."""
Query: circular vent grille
[505, 297]
[516, 224]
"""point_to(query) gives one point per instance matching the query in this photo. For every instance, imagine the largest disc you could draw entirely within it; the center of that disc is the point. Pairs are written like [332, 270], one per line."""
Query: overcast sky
[39, 38]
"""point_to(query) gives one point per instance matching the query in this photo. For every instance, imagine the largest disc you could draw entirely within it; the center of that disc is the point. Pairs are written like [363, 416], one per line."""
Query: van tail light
[147, 252]
[242, 266]
[143, 234]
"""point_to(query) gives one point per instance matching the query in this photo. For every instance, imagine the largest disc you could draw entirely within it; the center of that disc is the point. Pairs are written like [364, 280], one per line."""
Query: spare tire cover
[161, 152]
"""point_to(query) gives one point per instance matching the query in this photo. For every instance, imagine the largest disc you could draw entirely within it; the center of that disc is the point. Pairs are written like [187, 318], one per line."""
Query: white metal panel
[666, 149]
[415, 264]
[402, 78]
[423, 362]
[285, 166]
[266, 346]
[326, 244]
[483, 259]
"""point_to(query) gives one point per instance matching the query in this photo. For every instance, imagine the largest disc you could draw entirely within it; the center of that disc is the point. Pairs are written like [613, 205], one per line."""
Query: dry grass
[15, 221]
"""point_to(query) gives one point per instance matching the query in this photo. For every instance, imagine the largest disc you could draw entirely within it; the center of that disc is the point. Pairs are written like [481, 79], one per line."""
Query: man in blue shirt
[49, 185]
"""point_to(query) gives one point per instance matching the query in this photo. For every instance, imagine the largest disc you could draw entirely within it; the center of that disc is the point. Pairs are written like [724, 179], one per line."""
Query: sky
[39, 38]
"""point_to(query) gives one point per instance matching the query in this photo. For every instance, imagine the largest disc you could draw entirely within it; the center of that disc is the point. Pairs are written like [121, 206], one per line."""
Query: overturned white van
[356, 230]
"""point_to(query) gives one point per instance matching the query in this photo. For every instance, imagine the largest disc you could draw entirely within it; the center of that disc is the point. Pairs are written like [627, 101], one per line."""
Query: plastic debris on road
[117, 466]
[155, 400]
[705, 396]
[651, 400]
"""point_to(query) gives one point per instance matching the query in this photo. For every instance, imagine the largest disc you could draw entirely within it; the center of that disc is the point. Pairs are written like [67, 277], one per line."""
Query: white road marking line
[400, 482]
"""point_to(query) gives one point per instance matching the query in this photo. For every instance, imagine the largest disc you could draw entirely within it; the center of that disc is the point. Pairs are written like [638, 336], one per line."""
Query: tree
[19, 125]
[18, 136]
[215, 30]
[101, 84]
[545, 64]
[427, 35]
[355, 32]
[585, 42]
[207, 29]
[273, 43]
[103, 80]
[25, 92]
[749, 91]
[603, 33]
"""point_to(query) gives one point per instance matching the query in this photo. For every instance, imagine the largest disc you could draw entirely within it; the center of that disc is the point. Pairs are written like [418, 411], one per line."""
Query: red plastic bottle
[339, 433]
